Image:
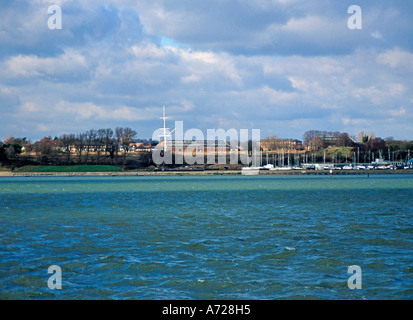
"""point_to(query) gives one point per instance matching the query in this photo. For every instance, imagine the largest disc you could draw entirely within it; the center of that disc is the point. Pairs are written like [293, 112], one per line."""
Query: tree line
[97, 140]
[366, 145]
[95, 146]
[107, 146]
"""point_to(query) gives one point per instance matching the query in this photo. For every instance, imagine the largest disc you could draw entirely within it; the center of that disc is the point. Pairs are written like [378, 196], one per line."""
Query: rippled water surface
[218, 237]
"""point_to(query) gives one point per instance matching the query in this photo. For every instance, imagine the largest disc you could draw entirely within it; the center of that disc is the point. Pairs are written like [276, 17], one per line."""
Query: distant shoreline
[199, 173]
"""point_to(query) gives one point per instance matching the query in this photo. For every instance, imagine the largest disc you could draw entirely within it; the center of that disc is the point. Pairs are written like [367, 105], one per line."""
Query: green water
[219, 237]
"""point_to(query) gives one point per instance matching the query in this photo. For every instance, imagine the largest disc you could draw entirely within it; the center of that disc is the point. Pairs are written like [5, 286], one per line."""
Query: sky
[281, 66]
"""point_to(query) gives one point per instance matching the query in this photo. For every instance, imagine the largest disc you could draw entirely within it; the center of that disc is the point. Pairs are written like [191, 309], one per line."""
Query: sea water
[207, 237]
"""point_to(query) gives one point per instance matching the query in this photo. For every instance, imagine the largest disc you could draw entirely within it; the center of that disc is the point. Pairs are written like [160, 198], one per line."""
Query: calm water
[219, 237]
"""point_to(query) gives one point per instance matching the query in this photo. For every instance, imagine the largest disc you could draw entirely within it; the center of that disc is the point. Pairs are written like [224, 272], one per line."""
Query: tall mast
[164, 128]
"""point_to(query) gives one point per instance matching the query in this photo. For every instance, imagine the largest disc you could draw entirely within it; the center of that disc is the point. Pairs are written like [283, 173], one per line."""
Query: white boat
[250, 171]
[268, 167]
[347, 168]
[284, 168]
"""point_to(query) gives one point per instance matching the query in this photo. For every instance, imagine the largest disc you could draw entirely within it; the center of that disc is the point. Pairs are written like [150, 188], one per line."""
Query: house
[198, 145]
[271, 144]
[140, 147]
[329, 141]
[316, 143]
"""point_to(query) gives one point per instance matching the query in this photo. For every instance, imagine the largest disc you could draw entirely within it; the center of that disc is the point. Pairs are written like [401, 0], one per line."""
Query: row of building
[316, 143]
[132, 147]
[268, 144]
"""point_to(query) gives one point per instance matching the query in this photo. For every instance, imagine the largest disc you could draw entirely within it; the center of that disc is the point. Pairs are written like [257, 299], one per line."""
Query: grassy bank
[75, 168]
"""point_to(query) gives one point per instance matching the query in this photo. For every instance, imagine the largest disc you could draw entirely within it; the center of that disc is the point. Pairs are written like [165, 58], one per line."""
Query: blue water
[218, 237]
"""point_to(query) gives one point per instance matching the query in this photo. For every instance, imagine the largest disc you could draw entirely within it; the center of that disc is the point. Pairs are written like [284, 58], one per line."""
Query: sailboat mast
[164, 128]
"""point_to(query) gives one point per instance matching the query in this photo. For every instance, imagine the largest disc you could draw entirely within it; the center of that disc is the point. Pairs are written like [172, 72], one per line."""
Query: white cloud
[202, 65]
[396, 58]
[192, 78]
[148, 51]
[91, 111]
[42, 127]
[276, 96]
[377, 35]
[29, 107]
[34, 66]
[400, 112]
[282, 66]
[379, 95]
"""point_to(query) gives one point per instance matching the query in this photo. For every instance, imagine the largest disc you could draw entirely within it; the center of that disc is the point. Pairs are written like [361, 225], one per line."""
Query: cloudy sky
[282, 66]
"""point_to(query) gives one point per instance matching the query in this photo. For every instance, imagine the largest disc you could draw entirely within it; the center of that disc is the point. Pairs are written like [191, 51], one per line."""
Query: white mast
[165, 129]
[166, 132]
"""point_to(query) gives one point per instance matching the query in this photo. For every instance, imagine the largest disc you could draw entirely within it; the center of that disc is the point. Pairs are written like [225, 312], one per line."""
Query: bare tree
[90, 138]
[343, 140]
[44, 146]
[127, 138]
[271, 143]
[309, 135]
[108, 141]
[99, 142]
[68, 141]
[80, 145]
[118, 136]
